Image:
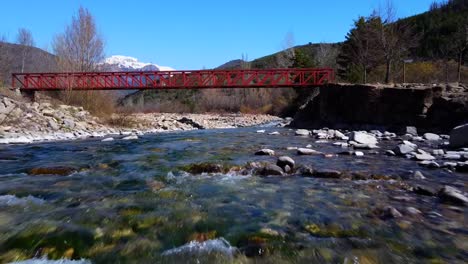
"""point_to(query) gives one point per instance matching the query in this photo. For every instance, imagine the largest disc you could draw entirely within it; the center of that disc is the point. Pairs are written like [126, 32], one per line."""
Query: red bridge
[200, 79]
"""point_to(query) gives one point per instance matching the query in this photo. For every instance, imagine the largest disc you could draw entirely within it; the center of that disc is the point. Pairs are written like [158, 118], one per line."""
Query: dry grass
[99, 103]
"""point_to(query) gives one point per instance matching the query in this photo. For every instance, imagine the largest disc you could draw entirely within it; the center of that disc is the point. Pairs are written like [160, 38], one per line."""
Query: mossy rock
[334, 230]
[261, 244]
[59, 171]
[63, 242]
[13, 255]
[206, 167]
[202, 237]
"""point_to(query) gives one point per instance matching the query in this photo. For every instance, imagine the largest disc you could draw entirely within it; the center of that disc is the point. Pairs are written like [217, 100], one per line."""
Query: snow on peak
[130, 63]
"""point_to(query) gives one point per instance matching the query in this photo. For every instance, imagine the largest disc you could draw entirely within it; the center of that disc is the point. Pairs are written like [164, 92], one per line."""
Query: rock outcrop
[365, 106]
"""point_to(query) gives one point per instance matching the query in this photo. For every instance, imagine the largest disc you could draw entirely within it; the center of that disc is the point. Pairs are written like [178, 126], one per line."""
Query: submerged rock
[206, 167]
[452, 195]
[60, 170]
[307, 151]
[388, 212]
[328, 174]
[131, 137]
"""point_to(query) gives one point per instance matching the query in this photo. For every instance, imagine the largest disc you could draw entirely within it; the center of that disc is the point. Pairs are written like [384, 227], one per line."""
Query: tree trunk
[446, 70]
[460, 58]
[365, 75]
[388, 71]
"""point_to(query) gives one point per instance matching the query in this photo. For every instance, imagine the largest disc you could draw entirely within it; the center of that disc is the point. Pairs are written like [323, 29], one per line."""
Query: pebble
[107, 139]
[275, 133]
[359, 153]
[261, 131]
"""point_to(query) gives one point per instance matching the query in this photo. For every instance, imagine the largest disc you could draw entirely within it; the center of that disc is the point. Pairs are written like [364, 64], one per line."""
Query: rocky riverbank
[24, 122]
[438, 107]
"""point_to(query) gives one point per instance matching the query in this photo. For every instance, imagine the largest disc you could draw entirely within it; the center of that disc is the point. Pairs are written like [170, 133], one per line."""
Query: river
[133, 202]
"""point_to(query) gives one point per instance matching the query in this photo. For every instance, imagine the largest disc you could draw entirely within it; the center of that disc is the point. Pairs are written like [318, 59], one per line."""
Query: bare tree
[285, 58]
[394, 38]
[25, 39]
[326, 55]
[80, 47]
[461, 45]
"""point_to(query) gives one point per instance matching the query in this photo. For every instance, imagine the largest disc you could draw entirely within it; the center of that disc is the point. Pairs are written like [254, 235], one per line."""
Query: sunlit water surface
[130, 202]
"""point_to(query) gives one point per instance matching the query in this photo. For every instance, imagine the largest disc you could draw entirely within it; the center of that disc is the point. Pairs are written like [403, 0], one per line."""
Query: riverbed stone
[431, 137]
[308, 152]
[452, 195]
[424, 190]
[265, 152]
[412, 211]
[363, 138]
[411, 130]
[302, 132]
[403, 149]
[271, 170]
[459, 136]
[328, 174]
[305, 171]
[390, 212]
[131, 137]
[284, 161]
[59, 170]
[424, 156]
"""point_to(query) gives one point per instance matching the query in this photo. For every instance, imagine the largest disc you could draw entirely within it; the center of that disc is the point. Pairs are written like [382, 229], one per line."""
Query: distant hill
[11, 59]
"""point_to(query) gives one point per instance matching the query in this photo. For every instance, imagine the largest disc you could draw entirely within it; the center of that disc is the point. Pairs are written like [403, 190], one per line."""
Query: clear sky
[192, 34]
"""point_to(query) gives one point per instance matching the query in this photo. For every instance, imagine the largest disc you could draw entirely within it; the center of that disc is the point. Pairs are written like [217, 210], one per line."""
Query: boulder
[363, 138]
[271, 170]
[403, 149]
[265, 152]
[459, 136]
[53, 125]
[284, 161]
[431, 137]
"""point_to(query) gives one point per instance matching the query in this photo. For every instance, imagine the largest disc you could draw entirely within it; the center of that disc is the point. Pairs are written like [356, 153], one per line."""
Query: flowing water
[132, 202]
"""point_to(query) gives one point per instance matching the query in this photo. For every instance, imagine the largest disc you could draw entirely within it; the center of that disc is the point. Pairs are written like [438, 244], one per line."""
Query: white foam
[11, 200]
[219, 245]
[47, 261]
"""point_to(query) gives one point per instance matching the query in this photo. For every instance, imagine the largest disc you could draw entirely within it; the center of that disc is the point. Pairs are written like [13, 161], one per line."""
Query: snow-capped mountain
[125, 63]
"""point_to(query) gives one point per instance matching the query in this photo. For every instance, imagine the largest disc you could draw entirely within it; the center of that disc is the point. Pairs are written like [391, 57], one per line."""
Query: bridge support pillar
[30, 95]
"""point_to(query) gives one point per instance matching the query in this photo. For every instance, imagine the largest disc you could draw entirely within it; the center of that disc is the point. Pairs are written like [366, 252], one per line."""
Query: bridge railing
[199, 79]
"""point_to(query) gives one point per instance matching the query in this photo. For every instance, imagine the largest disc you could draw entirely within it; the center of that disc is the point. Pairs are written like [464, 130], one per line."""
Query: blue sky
[192, 34]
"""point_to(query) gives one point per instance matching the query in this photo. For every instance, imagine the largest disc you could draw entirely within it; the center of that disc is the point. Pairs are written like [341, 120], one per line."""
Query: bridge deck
[200, 79]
